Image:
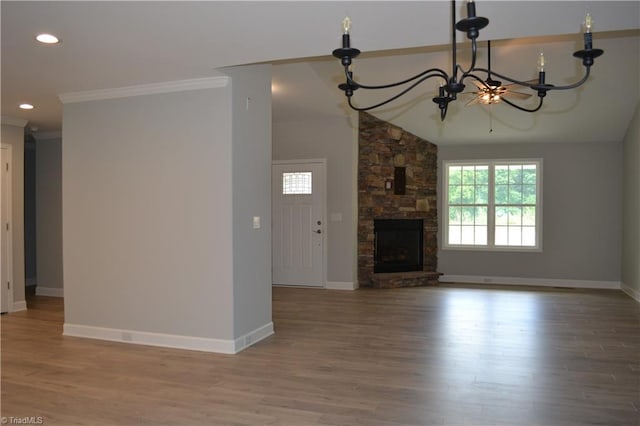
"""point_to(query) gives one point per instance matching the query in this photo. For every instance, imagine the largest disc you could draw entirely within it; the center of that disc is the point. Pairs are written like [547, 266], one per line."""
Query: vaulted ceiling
[115, 44]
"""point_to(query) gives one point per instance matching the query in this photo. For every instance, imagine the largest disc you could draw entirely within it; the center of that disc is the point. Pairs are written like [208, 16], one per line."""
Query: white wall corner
[633, 293]
[150, 339]
[339, 285]
[145, 89]
[535, 282]
[49, 291]
[19, 306]
[253, 337]
[12, 121]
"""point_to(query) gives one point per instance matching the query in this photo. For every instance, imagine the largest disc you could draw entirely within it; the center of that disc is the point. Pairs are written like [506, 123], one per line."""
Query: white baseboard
[49, 291]
[253, 337]
[169, 340]
[151, 339]
[339, 285]
[633, 293]
[539, 282]
[19, 306]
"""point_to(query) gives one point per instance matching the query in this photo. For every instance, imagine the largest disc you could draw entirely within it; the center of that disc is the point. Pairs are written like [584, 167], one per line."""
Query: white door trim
[9, 266]
[323, 163]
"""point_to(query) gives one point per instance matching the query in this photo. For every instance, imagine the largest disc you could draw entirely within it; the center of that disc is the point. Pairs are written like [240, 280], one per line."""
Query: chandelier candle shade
[454, 83]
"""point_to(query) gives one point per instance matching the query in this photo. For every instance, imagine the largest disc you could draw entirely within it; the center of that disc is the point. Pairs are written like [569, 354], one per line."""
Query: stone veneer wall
[383, 146]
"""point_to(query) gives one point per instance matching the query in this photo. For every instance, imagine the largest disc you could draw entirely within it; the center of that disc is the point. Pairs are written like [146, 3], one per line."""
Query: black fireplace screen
[398, 245]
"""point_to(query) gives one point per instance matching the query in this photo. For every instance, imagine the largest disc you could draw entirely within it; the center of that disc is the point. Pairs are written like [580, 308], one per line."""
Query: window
[296, 183]
[493, 204]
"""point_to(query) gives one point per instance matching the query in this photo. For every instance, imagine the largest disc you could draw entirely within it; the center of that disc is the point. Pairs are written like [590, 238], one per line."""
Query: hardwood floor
[449, 355]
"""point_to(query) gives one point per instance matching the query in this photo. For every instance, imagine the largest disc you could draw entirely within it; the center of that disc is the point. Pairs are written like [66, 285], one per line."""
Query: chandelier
[454, 83]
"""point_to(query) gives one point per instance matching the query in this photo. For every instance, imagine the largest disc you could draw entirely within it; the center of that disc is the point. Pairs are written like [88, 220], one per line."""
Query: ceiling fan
[492, 91]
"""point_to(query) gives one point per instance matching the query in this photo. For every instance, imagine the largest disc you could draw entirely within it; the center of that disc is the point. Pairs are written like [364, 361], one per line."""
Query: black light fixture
[454, 84]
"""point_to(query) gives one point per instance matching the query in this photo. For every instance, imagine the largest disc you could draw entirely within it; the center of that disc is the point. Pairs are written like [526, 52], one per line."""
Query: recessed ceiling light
[47, 38]
[26, 106]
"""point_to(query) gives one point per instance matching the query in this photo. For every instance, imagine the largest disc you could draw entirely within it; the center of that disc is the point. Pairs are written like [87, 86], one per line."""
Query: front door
[298, 196]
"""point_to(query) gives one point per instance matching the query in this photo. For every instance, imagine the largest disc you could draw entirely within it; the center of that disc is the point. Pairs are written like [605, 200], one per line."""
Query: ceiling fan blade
[506, 86]
[468, 94]
[517, 95]
[473, 101]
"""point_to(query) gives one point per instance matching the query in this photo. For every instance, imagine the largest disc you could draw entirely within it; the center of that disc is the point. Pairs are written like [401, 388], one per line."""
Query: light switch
[256, 222]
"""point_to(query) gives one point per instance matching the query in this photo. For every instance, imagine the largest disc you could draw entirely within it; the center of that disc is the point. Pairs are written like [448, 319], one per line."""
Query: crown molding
[12, 121]
[45, 136]
[144, 89]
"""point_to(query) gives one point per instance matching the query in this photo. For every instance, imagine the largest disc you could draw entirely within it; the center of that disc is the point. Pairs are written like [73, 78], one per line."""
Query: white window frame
[491, 226]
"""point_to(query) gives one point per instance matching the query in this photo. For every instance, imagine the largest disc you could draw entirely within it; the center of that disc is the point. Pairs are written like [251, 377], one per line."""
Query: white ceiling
[115, 44]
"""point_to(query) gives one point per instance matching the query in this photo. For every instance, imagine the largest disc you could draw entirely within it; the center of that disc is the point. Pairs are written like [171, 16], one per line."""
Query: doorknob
[319, 231]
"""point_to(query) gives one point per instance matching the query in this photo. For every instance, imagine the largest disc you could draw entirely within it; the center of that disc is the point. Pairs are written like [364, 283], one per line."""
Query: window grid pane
[516, 196]
[514, 204]
[468, 198]
[515, 226]
[296, 183]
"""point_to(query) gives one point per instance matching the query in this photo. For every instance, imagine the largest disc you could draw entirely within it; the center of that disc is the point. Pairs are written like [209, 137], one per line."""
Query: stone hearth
[383, 148]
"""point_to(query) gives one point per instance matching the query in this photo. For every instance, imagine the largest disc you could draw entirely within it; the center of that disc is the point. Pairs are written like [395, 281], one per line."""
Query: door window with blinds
[493, 205]
[297, 183]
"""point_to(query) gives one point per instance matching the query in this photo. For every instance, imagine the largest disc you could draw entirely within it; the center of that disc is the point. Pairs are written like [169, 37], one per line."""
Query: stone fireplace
[397, 183]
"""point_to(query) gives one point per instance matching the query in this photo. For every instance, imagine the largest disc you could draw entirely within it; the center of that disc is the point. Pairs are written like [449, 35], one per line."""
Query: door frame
[9, 265]
[323, 164]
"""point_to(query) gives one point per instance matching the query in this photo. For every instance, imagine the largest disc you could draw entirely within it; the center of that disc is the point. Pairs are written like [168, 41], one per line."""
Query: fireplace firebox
[398, 245]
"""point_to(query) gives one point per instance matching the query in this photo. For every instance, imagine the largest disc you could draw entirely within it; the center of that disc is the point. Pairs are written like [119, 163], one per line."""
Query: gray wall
[14, 136]
[49, 213]
[334, 140]
[631, 207]
[582, 214]
[251, 197]
[147, 213]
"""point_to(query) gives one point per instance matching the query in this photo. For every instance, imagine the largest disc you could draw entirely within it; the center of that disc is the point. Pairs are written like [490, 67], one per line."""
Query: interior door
[298, 197]
[6, 247]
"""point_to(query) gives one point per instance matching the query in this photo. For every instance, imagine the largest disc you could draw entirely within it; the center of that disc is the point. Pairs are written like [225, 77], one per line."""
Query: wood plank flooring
[448, 355]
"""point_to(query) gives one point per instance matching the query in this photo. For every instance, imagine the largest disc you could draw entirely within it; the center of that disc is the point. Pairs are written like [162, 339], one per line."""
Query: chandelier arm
[474, 50]
[509, 79]
[576, 84]
[475, 77]
[439, 72]
[508, 102]
[535, 86]
[396, 96]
